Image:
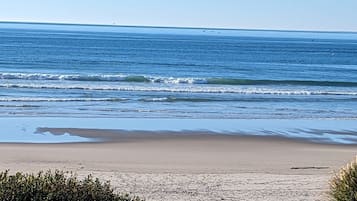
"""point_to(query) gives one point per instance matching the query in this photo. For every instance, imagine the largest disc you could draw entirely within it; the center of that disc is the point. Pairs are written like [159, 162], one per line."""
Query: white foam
[101, 77]
[41, 99]
[180, 89]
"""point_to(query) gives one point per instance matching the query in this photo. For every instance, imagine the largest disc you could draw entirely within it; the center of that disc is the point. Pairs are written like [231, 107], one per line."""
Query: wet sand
[194, 166]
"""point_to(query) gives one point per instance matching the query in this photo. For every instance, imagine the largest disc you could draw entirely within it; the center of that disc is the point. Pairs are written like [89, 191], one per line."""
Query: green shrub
[56, 186]
[343, 187]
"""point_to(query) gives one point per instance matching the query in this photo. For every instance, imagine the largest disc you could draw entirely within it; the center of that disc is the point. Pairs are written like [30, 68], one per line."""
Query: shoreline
[69, 130]
[122, 136]
[193, 167]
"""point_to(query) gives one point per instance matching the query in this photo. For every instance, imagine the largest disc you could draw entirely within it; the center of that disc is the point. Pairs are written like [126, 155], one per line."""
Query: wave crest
[181, 89]
[169, 80]
[45, 99]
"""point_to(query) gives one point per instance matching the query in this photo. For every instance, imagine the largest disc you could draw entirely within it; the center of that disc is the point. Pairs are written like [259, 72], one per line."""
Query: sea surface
[77, 71]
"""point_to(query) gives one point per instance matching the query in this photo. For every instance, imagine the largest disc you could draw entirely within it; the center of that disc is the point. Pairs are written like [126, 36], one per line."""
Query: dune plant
[343, 186]
[56, 186]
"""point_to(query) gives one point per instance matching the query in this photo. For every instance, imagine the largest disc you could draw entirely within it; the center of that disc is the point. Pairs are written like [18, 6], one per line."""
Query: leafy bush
[56, 186]
[343, 187]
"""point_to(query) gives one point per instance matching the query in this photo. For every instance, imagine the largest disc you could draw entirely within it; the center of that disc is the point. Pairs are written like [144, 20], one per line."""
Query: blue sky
[331, 15]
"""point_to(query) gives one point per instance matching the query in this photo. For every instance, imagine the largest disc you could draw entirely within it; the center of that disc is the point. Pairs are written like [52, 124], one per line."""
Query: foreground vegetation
[343, 186]
[56, 186]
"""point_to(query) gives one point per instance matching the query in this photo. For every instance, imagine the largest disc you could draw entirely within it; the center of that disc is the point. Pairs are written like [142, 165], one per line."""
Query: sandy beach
[191, 166]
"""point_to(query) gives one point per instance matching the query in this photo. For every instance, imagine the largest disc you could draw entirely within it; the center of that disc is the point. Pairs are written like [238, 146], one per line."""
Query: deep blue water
[292, 84]
[121, 72]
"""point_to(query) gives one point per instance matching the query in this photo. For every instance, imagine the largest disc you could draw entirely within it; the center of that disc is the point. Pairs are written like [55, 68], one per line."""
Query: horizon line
[172, 27]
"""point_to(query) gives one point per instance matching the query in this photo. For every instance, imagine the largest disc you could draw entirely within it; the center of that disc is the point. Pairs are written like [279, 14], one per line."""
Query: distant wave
[73, 77]
[169, 80]
[43, 99]
[154, 99]
[225, 81]
[180, 89]
[174, 99]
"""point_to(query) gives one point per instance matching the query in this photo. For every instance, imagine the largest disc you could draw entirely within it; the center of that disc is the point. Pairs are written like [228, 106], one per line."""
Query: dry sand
[192, 167]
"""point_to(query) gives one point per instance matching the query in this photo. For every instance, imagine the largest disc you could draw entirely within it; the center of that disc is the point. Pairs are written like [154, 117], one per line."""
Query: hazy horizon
[173, 27]
[304, 15]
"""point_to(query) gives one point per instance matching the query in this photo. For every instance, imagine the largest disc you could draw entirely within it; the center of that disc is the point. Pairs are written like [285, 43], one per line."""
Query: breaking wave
[169, 80]
[181, 89]
[45, 99]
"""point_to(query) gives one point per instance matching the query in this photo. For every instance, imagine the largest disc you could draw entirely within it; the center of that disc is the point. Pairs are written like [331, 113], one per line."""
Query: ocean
[113, 72]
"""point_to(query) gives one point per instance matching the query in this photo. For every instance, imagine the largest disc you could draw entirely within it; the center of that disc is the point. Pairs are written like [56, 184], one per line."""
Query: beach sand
[192, 166]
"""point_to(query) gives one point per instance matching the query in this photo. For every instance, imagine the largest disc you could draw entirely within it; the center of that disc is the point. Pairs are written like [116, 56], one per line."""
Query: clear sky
[331, 15]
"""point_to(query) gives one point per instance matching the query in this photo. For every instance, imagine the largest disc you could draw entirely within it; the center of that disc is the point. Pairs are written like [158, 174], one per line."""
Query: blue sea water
[78, 71]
